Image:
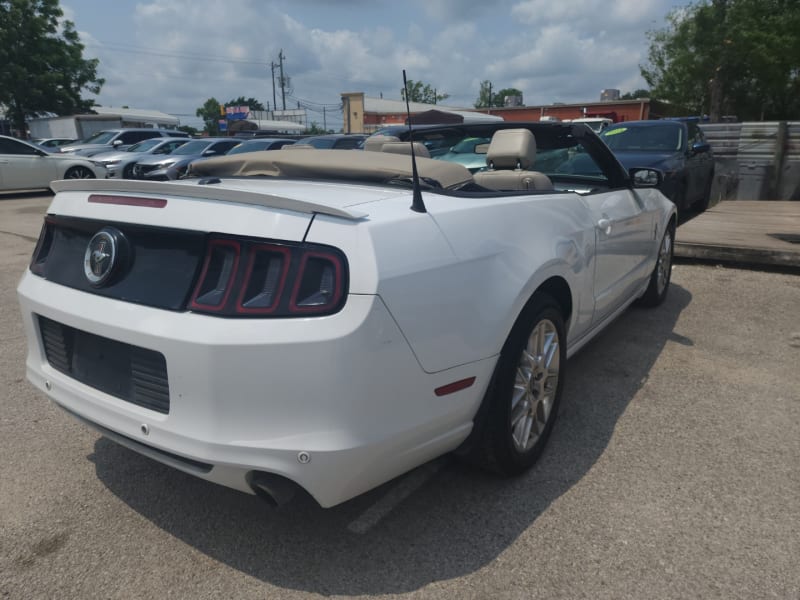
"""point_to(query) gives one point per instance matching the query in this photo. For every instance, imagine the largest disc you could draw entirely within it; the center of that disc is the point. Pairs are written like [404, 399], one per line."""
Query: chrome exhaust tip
[275, 490]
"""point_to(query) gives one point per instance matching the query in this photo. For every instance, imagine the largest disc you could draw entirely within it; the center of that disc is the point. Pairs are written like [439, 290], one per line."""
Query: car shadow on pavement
[455, 524]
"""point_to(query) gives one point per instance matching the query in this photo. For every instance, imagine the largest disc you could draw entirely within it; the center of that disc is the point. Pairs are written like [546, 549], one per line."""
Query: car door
[698, 167]
[624, 233]
[24, 167]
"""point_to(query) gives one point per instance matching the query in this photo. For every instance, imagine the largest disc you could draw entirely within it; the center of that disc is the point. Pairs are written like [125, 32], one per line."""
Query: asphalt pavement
[673, 472]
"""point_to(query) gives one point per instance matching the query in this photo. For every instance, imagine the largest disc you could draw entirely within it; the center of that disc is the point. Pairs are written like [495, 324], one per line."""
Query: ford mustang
[327, 320]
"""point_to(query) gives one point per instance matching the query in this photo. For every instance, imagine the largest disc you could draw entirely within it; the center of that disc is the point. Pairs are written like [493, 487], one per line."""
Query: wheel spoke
[518, 402]
[551, 350]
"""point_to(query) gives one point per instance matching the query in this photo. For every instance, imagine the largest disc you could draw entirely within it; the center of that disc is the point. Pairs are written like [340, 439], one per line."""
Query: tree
[43, 69]
[211, 114]
[488, 98]
[188, 129]
[315, 129]
[422, 92]
[737, 57]
[635, 95]
[242, 101]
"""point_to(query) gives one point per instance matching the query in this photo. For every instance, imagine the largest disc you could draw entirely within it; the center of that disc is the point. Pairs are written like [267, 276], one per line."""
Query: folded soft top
[351, 165]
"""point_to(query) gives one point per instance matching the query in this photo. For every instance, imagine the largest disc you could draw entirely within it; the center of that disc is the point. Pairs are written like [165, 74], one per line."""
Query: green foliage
[422, 92]
[488, 97]
[42, 69]
[315, 129]
[501, 95]
[635, 95]
[188, 129]
[242, 101]
[210, 113]
[737, 57]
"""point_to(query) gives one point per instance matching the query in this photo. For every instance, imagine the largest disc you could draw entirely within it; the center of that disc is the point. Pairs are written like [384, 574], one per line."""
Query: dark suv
[117, 139]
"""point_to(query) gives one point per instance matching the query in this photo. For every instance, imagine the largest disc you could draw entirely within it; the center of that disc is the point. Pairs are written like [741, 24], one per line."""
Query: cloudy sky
[171, 55]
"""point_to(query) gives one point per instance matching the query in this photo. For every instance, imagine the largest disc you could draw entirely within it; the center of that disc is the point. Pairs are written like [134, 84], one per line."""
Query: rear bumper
[250, 395]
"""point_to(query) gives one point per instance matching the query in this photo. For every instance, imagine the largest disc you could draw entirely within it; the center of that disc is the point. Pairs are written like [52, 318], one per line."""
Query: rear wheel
[524, 396]
[702, 204]
[127, 172]
[679, 198]
[659, 279]
[79, 173]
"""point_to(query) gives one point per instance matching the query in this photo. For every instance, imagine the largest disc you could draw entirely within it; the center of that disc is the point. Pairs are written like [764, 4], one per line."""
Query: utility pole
[283, 79]
[324, 120]
[274, 101]
[490, 98]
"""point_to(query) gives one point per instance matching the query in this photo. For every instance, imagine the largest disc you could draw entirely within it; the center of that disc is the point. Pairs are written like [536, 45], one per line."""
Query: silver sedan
[25, 166]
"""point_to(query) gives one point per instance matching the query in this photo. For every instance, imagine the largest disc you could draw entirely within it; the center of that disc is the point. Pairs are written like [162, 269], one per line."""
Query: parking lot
[673, 472]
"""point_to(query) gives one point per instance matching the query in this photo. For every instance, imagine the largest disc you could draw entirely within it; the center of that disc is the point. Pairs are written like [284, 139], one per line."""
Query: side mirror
[209, 153]
[700, 147]
[116, 143]
[645, 178]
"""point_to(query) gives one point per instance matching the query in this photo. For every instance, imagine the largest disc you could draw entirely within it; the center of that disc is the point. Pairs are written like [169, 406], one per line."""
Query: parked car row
[153, 154]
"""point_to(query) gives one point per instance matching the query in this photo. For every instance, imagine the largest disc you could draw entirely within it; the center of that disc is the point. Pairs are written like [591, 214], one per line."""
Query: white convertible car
[329, 319]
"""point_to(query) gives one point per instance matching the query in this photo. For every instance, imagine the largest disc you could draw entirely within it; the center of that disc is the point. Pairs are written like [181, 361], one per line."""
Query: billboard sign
[236, 113]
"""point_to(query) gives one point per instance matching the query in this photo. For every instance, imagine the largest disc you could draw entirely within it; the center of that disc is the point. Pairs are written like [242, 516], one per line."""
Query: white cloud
[178, 53]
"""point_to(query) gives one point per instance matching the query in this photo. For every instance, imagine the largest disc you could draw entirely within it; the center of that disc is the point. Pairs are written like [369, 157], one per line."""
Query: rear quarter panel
[456, 278]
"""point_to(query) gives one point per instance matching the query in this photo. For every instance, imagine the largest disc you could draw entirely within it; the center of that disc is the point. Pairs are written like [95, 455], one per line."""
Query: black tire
[658, 287]
[513, 402]
[79, 173]
[679, 198]
[702, 204]
[127, 171]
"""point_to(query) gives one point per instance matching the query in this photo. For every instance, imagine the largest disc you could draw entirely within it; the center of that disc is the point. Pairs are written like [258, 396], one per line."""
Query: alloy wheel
[535, 385]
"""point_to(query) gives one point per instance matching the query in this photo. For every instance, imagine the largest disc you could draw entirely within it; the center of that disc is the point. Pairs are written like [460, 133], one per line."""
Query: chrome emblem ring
[101, 256]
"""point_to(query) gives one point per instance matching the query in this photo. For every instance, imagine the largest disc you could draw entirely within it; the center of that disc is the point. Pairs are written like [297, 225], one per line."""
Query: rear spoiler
[194, 190]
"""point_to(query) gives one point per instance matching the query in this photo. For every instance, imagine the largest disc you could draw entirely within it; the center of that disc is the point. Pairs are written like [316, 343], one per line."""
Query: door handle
[605, 226]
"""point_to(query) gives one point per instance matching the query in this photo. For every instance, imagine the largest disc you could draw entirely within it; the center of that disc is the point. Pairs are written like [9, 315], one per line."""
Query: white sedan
[326, 320]
[27, 167]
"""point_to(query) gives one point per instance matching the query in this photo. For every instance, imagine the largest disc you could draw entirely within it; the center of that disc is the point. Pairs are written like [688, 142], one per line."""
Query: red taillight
[216, 279]
[264, 279]
[318, 284]
[244, 278]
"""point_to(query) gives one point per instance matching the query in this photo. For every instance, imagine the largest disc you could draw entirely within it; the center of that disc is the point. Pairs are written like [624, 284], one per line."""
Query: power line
[184, 55]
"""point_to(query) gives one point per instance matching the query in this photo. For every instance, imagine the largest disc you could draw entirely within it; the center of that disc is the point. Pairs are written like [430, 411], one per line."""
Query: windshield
[196, 147]
[467, 146]
[145, 145]
[101, 137]
[319, 142]
[250, 147]
[647, 138]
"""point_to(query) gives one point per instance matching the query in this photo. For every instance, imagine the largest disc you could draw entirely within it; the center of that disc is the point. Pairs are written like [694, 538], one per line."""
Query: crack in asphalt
[20, 235]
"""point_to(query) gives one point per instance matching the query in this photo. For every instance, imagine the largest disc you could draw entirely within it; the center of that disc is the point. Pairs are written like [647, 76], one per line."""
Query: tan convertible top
[350, 165]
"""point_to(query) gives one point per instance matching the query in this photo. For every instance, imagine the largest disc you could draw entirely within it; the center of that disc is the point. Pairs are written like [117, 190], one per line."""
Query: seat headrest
[374, 143]
[511, 149]
[405, 148]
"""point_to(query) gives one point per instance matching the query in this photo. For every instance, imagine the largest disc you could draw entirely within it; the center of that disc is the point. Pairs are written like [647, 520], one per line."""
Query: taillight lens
[255, 278]
[43, 246]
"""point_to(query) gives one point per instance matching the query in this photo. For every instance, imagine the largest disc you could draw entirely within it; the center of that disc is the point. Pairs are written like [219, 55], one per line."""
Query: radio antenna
[417, 204]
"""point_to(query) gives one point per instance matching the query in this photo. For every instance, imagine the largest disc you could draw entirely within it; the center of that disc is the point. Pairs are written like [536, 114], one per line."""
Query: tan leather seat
[510, 155]
[374, 143]
[420, 151]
